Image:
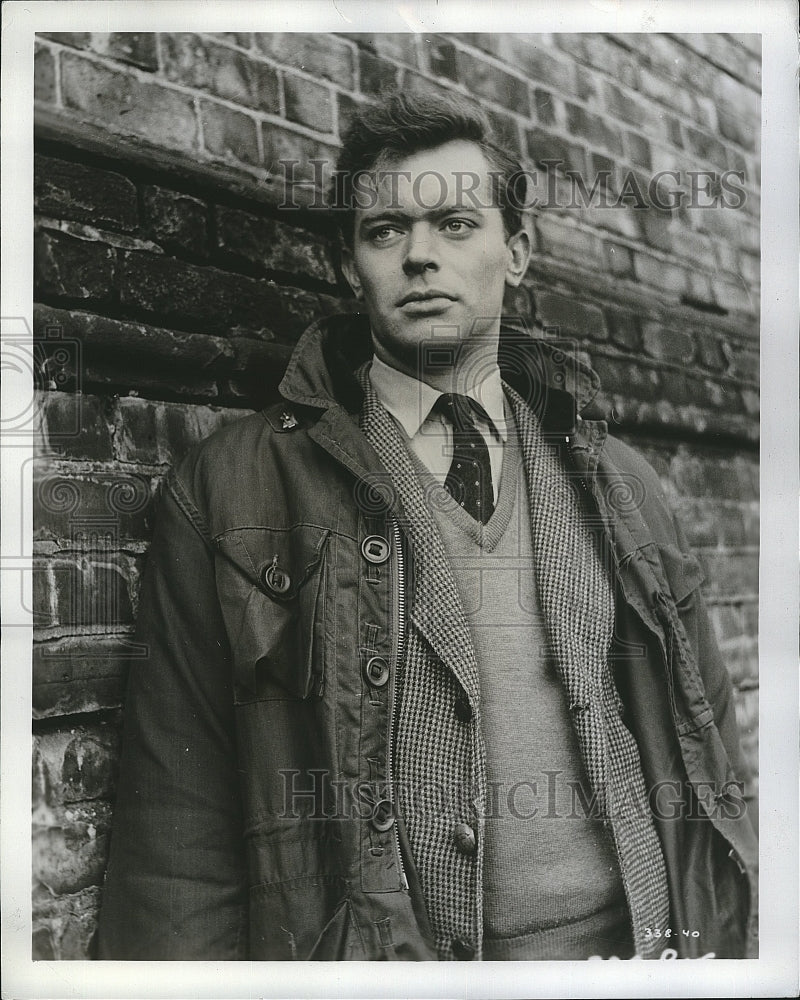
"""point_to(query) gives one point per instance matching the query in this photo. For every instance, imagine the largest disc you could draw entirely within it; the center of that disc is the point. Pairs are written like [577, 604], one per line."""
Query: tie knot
[460, 410]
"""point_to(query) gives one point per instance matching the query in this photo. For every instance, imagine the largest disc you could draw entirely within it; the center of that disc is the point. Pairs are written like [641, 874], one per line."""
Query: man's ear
[519, 250]
[349, 271]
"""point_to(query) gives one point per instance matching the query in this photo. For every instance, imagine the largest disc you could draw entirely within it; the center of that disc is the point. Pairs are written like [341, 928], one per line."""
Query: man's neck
[470, 367]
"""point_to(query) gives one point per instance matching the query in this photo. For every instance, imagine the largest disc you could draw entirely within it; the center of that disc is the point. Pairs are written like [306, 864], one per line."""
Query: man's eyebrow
[392, 215]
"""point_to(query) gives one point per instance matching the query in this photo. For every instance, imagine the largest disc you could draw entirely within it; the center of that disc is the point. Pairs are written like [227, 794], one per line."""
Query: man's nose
[420, 252]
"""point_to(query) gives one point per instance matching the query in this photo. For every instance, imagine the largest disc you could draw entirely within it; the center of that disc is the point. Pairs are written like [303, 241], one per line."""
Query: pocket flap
[683, 571]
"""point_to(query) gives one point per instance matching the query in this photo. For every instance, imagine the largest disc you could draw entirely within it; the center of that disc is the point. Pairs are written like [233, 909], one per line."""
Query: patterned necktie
[469, 480]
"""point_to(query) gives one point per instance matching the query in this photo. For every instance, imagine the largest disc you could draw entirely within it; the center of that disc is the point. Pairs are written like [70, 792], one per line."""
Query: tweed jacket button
[377, 671]
[375, 549]
[463, 950]
[463, 709]
[465, 839]
[383, 815]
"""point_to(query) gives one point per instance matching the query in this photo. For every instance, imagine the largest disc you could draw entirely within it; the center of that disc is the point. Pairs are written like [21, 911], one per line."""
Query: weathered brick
[707, 147]
[486, 80]
[243, 39]
[229, 134]
[709, 350]
[573, 318]
[288, 158]
[64, 927]
[161, 433]
[260, 368]
[595, 129]
[638, 149]
[659, 273]
[74, 426]
[42, 605]
[139, 341]
[192, 295]
[439, 57]
[627, 377]
[81, 674]
[92, 591]
[620, 260]
[97, 510]
[375, 74]
[622, 105]
[272, 244]
[200, 63]
[544, 146]
[322, 55]
[129, 105]
[746, 364]
[733, 295]
[730, 573]
[394, 45]
[623, 329]
[44, 74]
[175, 220]
[545, 107]
[72, 268]
[75, 39]
[569, 243]
[667, 344]
[523, 53]
[136, 48]
[308, 103]
[69, 190]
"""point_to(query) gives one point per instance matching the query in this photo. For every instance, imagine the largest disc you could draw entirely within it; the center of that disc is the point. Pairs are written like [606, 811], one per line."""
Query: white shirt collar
[410, 400]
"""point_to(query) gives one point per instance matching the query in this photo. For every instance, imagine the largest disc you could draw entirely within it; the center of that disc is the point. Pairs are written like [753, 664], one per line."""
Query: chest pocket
[271, 586]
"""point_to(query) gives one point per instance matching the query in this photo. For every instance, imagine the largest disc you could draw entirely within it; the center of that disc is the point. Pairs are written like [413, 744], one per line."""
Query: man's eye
[458, 225]
[382, 234]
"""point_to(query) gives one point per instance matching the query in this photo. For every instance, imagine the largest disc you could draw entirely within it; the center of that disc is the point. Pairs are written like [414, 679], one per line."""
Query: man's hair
[403, 124]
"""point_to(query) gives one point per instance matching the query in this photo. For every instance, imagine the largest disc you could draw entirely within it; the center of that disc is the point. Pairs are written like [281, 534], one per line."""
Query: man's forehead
[456, 173]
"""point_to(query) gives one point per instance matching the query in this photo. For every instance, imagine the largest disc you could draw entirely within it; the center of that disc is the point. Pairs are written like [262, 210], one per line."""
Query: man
[429, 673]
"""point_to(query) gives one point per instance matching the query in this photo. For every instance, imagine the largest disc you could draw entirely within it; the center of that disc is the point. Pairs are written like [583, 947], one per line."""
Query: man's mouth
[429, 295]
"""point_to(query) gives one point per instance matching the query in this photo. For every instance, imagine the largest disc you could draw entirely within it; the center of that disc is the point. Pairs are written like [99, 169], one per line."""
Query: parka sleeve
[176, 884]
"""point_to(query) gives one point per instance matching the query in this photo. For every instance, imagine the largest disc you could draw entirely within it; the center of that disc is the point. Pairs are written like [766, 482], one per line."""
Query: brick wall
[170, 285]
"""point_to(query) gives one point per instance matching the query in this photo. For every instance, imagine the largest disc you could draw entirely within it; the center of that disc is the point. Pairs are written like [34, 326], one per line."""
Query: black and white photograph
[399, 563]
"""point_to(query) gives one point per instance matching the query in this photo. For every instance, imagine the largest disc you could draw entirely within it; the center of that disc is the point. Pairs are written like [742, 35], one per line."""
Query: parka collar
[320, 373]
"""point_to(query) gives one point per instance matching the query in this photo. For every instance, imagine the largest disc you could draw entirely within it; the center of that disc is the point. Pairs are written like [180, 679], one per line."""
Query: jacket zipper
[400, 618]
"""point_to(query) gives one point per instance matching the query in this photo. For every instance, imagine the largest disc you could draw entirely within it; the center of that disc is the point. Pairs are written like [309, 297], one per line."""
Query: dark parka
[230, 839]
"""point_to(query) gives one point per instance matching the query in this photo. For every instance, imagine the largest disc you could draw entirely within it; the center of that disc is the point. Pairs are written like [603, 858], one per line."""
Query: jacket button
[464, 839]
[462, 708]
[377, 671]
[383, 815]
[277, 580]
[463, 950]
[375, 549]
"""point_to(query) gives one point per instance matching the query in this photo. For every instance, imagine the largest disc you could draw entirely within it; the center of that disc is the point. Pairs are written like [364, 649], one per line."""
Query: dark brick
[322, 55]
[288, 158]
[400, 46]
[594, 128]
[42, 607]
[709, 351]
[92, 591]
[105, 376]
[74, 191]
[44, 75]
[138, 49]
[229, 134]
[42, 945]
[730, 574]
[375, 74]
[707, 147]
[624, 329]
[175, 220]
[95, 510]
[506, 130]
[224, 72]
[272, 244]
[659, 273]
[569, 243]
[260, 367]
[573, 318]
[308, 103]
[89, 767]
[620, 260]
[71, 853]
[241, 38]
[188, 294]
[639, 149]
[736, 127]
[125, 103]
[520, 51]
[543, 146]
[623, 106]
[545, 107]
[134, 341]
[667, 345]
[440, 56]
[674, 131]
[680, 389]
[629, 379]
[74, 425]
[746, 364]
[588, 85]
[657, 228]
[72, 268]
[75, 39]
[485, 80]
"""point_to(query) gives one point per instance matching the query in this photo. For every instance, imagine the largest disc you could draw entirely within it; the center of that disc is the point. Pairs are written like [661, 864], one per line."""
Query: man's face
[431, 258]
